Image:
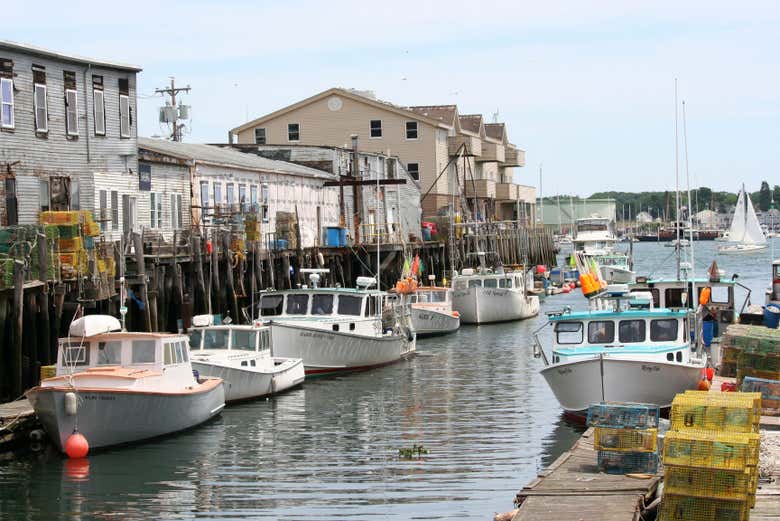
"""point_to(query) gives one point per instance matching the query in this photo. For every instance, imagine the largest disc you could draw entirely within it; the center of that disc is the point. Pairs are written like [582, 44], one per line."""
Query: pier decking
[573, 489]
[17, 419]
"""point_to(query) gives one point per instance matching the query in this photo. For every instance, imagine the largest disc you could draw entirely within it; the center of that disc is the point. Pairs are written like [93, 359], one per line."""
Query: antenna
[172, 113]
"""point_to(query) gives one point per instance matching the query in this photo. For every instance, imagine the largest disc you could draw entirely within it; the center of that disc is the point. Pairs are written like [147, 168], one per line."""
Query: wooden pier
[17, 420]
[573, 489]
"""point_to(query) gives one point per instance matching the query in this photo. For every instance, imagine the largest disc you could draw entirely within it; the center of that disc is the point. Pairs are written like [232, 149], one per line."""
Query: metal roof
[227, 157]
[40, 51]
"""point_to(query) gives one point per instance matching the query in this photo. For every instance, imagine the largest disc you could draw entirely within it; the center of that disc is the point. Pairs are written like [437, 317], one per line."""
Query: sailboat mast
[688, 182]
[676, 181]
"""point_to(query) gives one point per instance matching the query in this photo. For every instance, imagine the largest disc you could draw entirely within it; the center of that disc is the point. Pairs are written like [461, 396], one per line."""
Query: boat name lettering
[564, 371]
[650, 368]
[98, 397]
[424, 316]
[307, 334]
[495, 292]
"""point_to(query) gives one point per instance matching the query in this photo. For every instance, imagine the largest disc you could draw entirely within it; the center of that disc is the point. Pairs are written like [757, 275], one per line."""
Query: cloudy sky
[586, 88]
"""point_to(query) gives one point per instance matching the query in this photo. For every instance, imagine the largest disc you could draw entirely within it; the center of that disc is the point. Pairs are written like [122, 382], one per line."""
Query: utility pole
[177, 113]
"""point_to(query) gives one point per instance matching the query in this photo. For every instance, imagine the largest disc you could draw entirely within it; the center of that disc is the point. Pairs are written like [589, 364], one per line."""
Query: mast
[677, 182]
[688, 182]
[558, 200]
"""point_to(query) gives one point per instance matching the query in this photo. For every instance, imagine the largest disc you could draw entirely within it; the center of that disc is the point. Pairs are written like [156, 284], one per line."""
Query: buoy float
[566, 289]
[710, 373]
[704, 296]
[71, 404]
[76, 446]
[209, 247]
[704, 385]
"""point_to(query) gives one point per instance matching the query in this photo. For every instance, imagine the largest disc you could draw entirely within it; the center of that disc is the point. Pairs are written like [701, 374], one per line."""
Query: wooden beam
[367, 182]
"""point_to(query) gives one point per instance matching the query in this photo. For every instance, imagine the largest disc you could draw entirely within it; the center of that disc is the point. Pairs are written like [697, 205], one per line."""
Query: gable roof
[227, 157]
[46, 53]
[447, 114]
[351, 94]
[496, 131]
[473, 123]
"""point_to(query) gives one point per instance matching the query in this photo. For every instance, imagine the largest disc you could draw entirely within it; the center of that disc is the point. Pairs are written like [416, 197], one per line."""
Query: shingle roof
[471, 122]
[40, 51]
[495, 130]
[444, 113]
[228, 157]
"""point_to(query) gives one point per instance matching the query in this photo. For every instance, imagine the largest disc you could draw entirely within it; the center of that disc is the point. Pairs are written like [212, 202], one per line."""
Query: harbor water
[337, 448]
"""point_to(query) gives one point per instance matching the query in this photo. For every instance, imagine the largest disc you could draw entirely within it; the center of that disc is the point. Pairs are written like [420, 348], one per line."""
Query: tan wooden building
[451, 155]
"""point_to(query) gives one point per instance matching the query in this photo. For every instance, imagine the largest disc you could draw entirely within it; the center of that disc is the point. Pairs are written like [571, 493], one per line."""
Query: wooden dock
[17, 419]
[573, 489]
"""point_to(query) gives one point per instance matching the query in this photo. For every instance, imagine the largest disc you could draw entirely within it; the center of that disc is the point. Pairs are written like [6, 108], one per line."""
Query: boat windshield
[631, 331]
[297, 304]
[491, 283]
[322, 304]
[349, 305]
[475, 283]
[568, 332]
[663, 330]
[244, 339]
[195, 337]
[271, 305]
[601, 332]
[109, 353]
[215, 338]
[591, 227]
[431, 296]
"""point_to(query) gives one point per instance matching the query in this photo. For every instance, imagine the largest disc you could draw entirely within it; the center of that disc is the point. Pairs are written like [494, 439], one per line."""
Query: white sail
[737, 230]
[753, 232]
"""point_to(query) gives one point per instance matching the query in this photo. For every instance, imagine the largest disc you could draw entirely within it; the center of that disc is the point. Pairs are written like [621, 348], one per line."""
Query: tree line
[662, 204]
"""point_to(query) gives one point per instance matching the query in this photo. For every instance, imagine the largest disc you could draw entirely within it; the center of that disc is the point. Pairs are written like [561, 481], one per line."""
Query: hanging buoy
[704, 385]
[71, 404]
[710, 373]
[704, 296]
[209, 247]
[76, 446]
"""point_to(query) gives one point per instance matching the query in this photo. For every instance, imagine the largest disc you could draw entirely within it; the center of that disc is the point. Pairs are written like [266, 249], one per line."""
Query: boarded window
[414, 170]
[293, 132]
[71, 113]
[376, 128]
[260, 136]
[411, 130]
[7, 103]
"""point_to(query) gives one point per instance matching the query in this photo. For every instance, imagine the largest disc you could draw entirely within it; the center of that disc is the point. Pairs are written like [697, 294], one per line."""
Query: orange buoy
[710, 373]
[704, 385]
[76, 446]
[704, 296]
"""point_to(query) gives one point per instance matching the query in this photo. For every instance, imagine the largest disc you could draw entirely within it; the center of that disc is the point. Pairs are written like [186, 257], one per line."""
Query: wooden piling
[16, 358]
[140, 270]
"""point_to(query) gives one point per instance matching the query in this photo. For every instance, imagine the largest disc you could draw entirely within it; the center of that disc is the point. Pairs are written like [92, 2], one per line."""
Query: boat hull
[430, 322]
[244, 383]
[617, 275]
[742, 248]
[578, 384]
[113, 417]
[485, 305]
[325, 351]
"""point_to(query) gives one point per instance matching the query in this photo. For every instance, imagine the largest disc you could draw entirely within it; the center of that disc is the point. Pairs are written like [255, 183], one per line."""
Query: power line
[172, 113]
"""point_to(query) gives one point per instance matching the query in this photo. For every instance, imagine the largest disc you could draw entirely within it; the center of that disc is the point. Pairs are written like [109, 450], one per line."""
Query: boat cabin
[323, 303]
[673, 294]
[469, 279]
[635, 332]
[429, 295]
[240, 338]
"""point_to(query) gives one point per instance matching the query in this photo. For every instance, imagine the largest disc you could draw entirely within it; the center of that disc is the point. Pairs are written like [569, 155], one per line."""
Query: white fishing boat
[242, 356]
[432, 312]
[745, 231]
[339, 329]
[118, 387]
[623, 350]
[595, 239]
[484, 296]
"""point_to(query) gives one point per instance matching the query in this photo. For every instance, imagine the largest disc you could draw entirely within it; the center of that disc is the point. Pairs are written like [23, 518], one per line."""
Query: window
[297, 304]
[674, 297]
[663, 330]
[6, 103]
[75, 354]
[242, 197]
[411, 130]
[260, 136]
[719, 294]
[71, 113]
[293, 132]
[271, 305]
[231, 199]
[195, 337]
[491, 283]
[414, 170]
[601, 332]
[631, 331]
[156, 209]
[349, 305]
[179, 352]
[124, 115]
[376, 128]
[176, 211]
[253, 197]
[204, 196]
[168, 356]
[475, 283]
[569, 332]
[74, 195]
[41, 110]
[243, 339]
[114, 210]
[265, 339]
[322, 305]
[264, 203]
[505, 283]
[103, 209]
[143, 352]
[215, 338]
[99, 108]
[109, 353]
[217, 193]
[370, 309]
[44, 197]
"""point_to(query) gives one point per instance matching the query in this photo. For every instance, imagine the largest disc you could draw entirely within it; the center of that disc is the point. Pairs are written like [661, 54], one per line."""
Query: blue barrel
[426, 233]
[333, 236]
[771, 316]
[707, 332]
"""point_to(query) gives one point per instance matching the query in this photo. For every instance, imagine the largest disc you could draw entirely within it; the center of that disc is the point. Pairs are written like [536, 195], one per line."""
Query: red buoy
[710, 373]
[76, 446]
[704, 385]
[209, 247]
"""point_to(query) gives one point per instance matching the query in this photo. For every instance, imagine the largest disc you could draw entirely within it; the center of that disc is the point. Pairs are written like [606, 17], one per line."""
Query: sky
[585, 88]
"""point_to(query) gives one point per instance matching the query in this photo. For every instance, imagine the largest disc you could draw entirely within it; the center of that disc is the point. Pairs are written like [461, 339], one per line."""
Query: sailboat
[745, 231]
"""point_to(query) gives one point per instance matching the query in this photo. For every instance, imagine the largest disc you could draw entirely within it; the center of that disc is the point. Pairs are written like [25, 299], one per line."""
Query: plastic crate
[59, 218]
[616, 462]
[726, 412]
[623, 415]
[708, 483]
[625, 440]
[727, 451]
[687, 508]
[90, 229]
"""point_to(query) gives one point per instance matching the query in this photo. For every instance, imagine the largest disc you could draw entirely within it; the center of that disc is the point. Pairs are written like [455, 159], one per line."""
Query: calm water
[329, 450]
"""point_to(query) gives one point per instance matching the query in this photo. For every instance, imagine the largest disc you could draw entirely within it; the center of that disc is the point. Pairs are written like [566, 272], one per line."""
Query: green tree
[764, 197]
[776, 195]
[704, 197]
